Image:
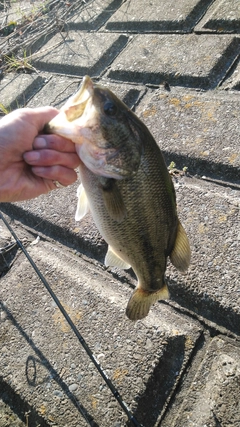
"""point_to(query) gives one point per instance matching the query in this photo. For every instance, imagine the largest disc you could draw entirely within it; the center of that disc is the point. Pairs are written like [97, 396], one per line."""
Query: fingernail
[40, 142]
[31, 156]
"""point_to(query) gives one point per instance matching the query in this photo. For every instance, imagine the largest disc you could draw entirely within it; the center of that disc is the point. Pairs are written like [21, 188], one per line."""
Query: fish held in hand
[127, 188]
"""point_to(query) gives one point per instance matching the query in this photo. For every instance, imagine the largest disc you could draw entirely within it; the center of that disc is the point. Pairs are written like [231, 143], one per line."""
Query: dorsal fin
[114, 260]
[82, 205]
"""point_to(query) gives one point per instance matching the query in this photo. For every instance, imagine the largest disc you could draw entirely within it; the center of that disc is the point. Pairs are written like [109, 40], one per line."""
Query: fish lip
[72, 109]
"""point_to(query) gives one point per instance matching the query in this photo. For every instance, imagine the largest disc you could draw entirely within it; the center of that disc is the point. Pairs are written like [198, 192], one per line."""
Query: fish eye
[110, 108]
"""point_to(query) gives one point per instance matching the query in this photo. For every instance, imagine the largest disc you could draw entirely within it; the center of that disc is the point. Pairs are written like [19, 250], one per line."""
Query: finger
[53, 142]
[47, 157]
[42, 115]
[63, 175]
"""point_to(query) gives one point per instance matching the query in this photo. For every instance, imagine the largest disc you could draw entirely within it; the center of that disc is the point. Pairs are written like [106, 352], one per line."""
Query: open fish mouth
[63, 124]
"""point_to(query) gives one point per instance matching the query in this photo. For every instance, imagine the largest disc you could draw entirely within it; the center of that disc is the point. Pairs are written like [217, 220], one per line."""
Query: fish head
[104, 129]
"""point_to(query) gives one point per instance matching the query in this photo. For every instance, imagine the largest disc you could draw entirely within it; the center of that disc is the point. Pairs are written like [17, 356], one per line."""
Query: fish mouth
[63, 124]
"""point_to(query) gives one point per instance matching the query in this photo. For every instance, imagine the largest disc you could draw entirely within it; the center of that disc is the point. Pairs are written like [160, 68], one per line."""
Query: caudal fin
[140, 302]
[181, 253]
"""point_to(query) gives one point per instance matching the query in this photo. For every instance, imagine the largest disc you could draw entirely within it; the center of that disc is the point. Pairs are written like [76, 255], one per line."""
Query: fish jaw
[69, 122]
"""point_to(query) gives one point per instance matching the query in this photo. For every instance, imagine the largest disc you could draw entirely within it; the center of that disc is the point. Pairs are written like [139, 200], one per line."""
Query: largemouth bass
[127, 187]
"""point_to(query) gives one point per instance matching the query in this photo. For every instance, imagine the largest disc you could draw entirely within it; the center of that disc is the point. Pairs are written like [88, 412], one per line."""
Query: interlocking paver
[187, 60]
[214, 391]
[157, 15]
[222, 17]
[233, 81]
[202, 128]
[16, 90]
[80, 53]
[95, 14]
[56, 380]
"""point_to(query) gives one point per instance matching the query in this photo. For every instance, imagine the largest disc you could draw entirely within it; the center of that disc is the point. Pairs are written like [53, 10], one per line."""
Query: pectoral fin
[113, 260]
[82, 206]
[181, 253]
[113, 200]
[140, 302]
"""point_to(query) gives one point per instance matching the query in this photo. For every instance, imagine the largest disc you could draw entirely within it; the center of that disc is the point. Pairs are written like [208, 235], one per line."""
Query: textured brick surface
[57, 380]
[215, 388]
[156, 15]
[196, 126]
[222, 17]
[80, 53]
[95, 14]
[189, 60]
[16, 90]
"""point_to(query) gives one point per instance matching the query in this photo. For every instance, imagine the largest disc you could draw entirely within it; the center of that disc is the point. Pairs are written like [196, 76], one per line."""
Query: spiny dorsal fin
[140, 302]
[181, 253]
[82, 206]
[113, 260]
[113, 200]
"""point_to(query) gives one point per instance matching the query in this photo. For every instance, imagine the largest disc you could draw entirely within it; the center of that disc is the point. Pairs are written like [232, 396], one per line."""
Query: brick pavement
[178, 68]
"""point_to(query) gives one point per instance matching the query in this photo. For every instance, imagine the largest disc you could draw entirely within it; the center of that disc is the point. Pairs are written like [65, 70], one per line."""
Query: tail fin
[140, 302]
[181, 253]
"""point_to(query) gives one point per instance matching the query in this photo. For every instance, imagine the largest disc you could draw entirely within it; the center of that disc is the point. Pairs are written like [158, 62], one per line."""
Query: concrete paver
[223, 17]
[16, 90]
[131, 353]
[233, 81]
[156, 16]
[215, 389]
[78, 55]
[190, 60]
[94, 15]
[201, 126]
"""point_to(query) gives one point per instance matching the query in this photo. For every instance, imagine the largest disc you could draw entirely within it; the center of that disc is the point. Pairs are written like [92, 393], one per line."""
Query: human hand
[31, 162]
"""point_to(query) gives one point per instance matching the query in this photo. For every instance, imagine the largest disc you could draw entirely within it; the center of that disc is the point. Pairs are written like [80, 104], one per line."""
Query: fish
[126, 186]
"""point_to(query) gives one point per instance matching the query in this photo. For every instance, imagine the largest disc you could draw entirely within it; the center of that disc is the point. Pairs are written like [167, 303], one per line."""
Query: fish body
[127, 187]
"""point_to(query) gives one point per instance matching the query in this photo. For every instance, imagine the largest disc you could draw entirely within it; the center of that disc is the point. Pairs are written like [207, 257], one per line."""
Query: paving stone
[15, 11]
[80, 53]
[213, 398]
[201, 129]
[38, 348]
[56, 91]
[94, 15]
[222, 17]
[157, 16]
[189, 60]
[233, 81]
[17, 89]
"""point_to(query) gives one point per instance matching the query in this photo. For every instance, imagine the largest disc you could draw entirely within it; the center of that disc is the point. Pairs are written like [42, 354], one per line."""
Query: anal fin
[140, 302]
[181, 253]
[113, 260]
[82, 206]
